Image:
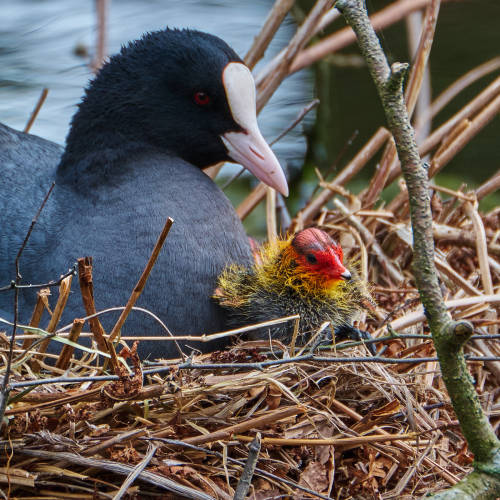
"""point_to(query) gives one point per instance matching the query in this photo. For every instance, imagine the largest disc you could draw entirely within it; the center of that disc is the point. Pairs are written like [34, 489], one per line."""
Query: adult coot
[165, 107]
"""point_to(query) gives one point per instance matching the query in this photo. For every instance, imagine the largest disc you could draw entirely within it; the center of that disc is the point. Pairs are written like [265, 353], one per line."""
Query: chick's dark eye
[201, 98]
[311, 258]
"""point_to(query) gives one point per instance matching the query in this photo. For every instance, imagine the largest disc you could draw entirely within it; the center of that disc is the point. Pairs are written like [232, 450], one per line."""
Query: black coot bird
[165, 107]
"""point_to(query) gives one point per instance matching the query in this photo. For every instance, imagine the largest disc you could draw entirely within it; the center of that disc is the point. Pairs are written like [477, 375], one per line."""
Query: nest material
[357, 408]
[346, 430]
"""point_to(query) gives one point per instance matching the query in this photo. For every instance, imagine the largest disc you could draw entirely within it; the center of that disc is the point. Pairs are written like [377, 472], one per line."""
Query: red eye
[201, 99]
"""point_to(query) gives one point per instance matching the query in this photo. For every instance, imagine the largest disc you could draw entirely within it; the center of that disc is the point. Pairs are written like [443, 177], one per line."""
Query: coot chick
[157, 113]
[305, 275]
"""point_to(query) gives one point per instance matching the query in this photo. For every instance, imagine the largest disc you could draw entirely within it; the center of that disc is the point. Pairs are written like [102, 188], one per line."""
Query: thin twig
[337, 442]
[249, 469]
[4, 387]
[271, 24]
[262, 472]
[102, 8]
[121, 469]
[134, 474]
[37, 109]
[300, 116]
[139, 287]
[13, 284]
[247, 367]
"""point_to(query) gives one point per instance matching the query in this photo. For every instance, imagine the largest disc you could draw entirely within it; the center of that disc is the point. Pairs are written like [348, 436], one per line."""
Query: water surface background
[39, 38]
[467, 35]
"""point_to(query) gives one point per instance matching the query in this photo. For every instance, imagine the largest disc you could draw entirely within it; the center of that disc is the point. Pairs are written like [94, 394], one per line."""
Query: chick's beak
[248, 147]
[346, 275]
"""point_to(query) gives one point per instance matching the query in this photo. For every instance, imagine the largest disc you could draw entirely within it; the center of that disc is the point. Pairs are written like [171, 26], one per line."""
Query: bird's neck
[92, 159]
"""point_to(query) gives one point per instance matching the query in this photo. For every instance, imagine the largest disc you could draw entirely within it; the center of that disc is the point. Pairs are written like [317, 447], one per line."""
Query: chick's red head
[319, 257]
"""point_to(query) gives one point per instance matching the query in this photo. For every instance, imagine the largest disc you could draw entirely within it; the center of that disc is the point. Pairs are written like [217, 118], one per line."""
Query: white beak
[346, 275]
[248, 147]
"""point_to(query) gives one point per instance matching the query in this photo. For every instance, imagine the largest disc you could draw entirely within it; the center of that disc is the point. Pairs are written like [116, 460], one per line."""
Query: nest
[295, 421]
[329, 421]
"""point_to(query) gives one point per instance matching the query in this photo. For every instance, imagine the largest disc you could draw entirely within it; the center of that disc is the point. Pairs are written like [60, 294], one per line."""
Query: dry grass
[340, 429]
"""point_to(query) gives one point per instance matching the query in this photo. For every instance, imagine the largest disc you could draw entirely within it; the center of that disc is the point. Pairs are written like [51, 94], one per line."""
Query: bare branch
[448, 336]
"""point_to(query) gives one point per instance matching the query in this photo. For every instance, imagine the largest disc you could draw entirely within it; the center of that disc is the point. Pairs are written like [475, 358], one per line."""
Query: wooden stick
[477, 124]
[350, 441]
[37, 109]
[491, 185]
[134, 474]
[263, 39]
[87, 290]
[41, 301]
[251, 201]
[67, 350]
[119, 438]
[102, 7]
[139, 287]
[418, 315]
[385, 17]
[378, 181]
[416, 76]
[272, 232]
[448, 271]
[473, 107]
[227, 432]
[249, 469]
[457, 86]
[64, 290]
[484, 267]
